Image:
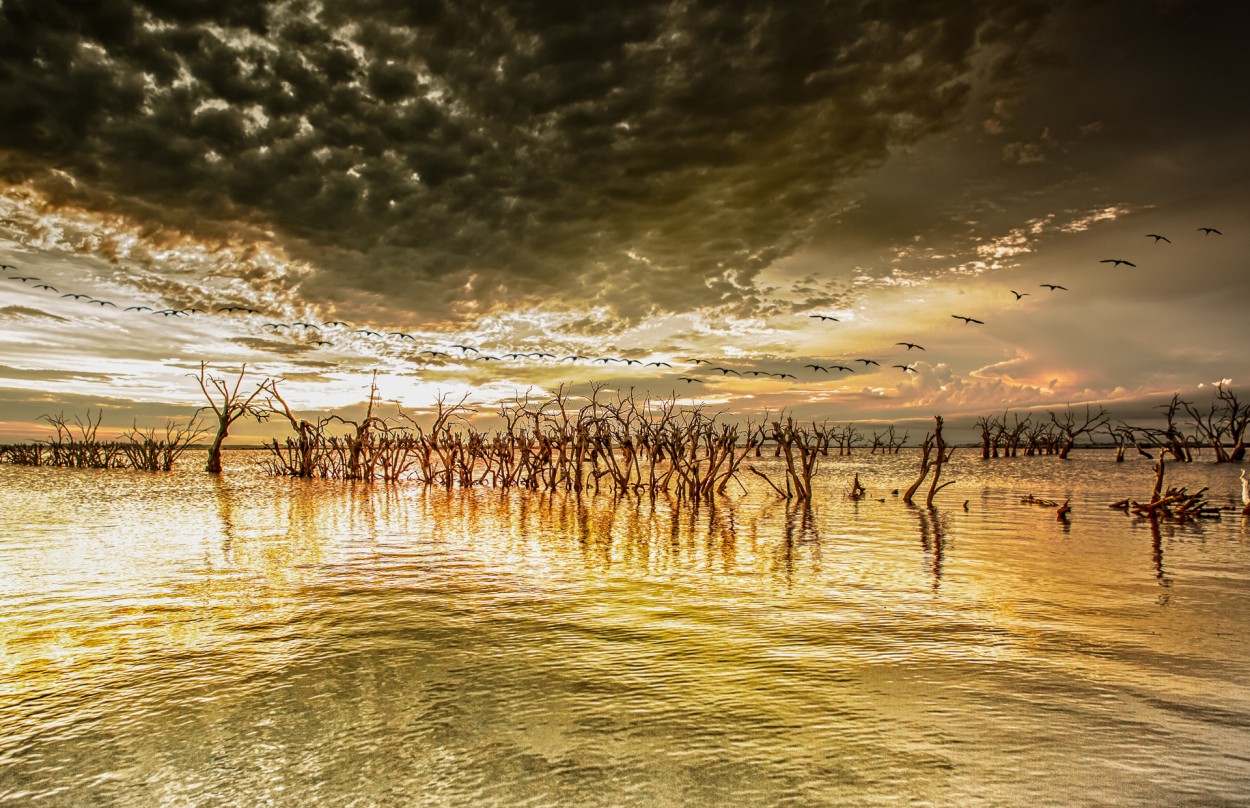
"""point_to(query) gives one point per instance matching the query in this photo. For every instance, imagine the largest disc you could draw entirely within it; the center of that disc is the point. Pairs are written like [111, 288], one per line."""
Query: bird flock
[315, 334]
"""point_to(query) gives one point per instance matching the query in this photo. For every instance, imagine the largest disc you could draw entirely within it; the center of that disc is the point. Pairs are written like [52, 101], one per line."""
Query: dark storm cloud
[641, 155]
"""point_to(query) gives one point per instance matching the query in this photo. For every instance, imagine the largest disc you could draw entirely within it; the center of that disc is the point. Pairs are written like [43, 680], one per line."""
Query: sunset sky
[656, 181]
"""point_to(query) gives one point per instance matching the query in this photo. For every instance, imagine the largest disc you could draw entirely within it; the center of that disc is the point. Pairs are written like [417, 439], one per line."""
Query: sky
[649, 181]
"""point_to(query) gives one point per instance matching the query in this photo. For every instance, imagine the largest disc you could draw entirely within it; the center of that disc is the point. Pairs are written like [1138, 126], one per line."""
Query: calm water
[182, 640]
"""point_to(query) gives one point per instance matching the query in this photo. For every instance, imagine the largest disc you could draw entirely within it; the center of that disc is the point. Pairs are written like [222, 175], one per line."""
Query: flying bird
[1209, 230]
[138, 308]
[688, 380]
[464, 348]
[823, 317]
[659, 364]
[321, 342]
[758, 373]
[842, 367]
[23, 278]
[275, 326]
[402, 335]
[1018, 294]
[910, 345]
[77, 297]
[868, 362]
[7, 266]
[102, 303]
[727, 371]
[306, 325]
[574, 358]
[699, 361]
[1117, 262]
[1158, 238]
[541, 355]
[905, 368]
[367, 332]
[817, 367]
[48, 287]
[436, 353]
[968, 320]
[333, 322]
[1053, 286]
[784, 375]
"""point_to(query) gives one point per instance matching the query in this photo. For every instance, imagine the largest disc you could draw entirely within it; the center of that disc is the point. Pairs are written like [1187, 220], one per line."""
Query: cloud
[459, 155]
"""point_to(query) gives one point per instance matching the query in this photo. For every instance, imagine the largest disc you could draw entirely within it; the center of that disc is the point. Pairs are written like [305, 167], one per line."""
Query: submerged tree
[229, 404]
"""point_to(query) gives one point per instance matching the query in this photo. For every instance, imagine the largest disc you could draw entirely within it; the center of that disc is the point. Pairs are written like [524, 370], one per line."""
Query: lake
[176, 639]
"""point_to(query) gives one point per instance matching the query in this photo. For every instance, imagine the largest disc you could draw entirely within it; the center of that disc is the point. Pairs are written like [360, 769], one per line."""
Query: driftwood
[1171, 503]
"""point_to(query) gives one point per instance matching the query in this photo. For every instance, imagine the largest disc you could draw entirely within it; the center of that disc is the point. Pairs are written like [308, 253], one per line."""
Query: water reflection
[239, 640]
[933, 541]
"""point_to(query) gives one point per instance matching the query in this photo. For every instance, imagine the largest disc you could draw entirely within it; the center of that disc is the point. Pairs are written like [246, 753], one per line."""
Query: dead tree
[1071, 430]
[229, 404]
[1171, 438]
[1236, 419]
[928, 460]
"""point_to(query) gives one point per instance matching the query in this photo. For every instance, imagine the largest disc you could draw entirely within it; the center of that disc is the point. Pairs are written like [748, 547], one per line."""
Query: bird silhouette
[823, 317]
[138, 308]
[77, 297]
[910, 345]
[334, 323]
[464, 348]
[817, 367]
[1158, 238]
[868, 362]
[275, 326]
[689, 380]
[699, 361]
[402, 335]
[905, 368]
[1053, 286]
[7, 267]
[102, 303]
[321, 342]
[1018, 294]
[968, 320]
[843, 367]
[784, 375]
[659, 364]
[436, 353]
[727, 371]
[1117, 262]
[306, 326]
[758, 373]
[486, 358]
[23, 278]
[515, 356]
[1209, 230]
[367, 332]
[49, 287]
[574, 358]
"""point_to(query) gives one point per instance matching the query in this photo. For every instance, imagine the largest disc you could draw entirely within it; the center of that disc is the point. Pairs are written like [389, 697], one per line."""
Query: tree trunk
[214, 451]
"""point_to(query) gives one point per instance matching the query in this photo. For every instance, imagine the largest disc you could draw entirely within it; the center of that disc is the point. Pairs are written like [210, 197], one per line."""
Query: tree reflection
[933, 529]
